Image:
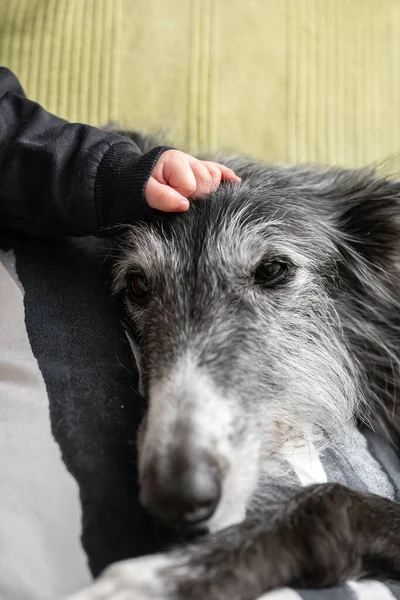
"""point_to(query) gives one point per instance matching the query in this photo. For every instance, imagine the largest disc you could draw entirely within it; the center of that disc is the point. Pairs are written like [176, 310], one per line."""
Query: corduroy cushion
[285, 80]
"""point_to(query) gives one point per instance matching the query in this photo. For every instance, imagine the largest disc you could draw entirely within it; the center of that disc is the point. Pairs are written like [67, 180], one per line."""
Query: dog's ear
[366, 214]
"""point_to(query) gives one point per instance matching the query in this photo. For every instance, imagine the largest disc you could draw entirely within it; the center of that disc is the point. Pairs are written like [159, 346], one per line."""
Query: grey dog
[264, 313]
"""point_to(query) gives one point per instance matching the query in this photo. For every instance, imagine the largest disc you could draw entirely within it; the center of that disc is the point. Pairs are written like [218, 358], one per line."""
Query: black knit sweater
[60, 178]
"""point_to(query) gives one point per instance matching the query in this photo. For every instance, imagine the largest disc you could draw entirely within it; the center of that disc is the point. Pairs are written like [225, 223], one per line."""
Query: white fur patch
[190, 399]
[370, 590]
[303, 457]
[281, 594]
[138, 579]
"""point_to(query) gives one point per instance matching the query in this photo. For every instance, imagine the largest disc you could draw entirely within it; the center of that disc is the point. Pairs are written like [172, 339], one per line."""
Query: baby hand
[178, 176]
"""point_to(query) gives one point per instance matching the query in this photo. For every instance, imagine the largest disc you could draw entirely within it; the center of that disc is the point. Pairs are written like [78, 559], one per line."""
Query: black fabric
[128, 181]
[77, 338]
[60, 178]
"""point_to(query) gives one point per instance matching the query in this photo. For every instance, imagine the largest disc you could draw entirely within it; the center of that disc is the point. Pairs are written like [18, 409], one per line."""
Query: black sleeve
[60, 178]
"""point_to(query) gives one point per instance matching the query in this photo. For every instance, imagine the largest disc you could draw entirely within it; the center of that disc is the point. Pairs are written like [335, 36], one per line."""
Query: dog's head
[241, 311]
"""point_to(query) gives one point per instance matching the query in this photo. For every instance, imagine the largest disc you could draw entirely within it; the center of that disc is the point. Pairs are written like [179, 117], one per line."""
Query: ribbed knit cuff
[120, 182]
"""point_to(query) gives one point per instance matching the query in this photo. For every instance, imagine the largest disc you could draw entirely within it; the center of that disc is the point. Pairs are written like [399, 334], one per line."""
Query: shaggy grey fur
[266, 313]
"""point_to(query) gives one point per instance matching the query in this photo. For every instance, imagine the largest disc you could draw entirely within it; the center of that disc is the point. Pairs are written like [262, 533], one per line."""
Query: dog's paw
[149, 578]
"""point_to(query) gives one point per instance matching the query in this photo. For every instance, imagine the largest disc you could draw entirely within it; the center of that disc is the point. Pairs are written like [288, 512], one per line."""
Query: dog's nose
[182, 497]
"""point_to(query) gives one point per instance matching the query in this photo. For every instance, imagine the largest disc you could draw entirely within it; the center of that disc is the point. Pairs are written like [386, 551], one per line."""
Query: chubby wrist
[121, 179]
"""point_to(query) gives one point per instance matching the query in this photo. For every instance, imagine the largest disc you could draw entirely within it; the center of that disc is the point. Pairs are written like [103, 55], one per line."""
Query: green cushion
[286, 80]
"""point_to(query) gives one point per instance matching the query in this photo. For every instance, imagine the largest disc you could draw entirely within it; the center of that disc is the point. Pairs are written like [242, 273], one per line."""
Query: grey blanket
[364, 462]
[68, 419]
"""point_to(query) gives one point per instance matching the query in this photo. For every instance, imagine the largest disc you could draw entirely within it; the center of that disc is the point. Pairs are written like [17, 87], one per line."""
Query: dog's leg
[322, 537]
[325, 535]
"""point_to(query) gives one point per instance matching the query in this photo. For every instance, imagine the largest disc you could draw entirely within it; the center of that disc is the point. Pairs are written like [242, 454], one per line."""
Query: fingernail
[183, 205]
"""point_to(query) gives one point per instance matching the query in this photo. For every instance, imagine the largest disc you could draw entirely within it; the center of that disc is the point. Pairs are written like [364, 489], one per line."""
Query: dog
[266, 312]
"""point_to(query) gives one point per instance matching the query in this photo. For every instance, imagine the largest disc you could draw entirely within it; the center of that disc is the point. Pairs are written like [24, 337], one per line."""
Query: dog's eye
[271, 273]
[139, 286]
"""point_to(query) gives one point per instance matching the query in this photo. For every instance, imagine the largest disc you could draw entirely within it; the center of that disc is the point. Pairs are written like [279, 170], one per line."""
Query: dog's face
[235, 307]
